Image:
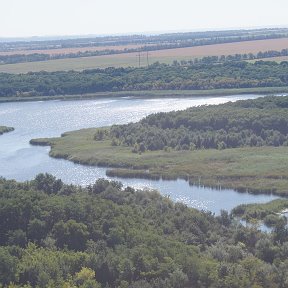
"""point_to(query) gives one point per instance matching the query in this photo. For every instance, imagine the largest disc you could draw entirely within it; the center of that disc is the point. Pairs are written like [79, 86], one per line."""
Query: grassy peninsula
[240, 145]
[4, 129]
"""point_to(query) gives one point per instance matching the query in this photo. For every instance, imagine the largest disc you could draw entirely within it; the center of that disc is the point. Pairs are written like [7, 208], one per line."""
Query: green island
[4, 129]
[241, 145]
[105, 235]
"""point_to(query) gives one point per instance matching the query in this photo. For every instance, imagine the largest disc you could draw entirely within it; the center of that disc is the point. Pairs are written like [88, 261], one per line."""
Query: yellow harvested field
[163, 56]
[221, 49]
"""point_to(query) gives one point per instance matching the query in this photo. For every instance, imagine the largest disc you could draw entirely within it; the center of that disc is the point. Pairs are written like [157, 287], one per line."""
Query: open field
[72, 50]
[224, 49]
[67, 64]
[163, 56]
[258, 170]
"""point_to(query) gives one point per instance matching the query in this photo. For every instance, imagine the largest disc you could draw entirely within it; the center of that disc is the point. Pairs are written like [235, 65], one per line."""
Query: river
[21, 161]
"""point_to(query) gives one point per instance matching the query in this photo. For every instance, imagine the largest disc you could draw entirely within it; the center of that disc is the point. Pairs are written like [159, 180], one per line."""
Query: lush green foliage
[257, 122]
[171, 145]
[107, 236]
[155, 77]
[270, 213]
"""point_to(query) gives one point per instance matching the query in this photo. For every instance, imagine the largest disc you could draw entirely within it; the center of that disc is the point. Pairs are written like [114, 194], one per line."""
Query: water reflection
[21, 161]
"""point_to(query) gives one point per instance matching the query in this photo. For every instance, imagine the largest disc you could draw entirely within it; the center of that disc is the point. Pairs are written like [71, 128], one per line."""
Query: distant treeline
[161, 44]
[260, 122]
[22, 58]
[108, 236]
[155, 77]
[177, 39]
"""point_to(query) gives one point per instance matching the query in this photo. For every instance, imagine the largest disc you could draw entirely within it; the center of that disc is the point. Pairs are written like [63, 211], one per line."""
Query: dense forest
[105, 235]
[155, 77]
[259, 122]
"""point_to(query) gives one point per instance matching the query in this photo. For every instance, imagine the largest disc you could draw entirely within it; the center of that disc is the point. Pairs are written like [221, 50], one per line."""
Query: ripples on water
[21, 161]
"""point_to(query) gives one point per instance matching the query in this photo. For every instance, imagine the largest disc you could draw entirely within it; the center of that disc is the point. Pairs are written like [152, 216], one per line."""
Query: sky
[21, 18]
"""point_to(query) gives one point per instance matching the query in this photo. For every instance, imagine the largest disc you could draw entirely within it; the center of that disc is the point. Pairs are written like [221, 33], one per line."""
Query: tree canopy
[259, 122]
[107, 235]
[155, 77]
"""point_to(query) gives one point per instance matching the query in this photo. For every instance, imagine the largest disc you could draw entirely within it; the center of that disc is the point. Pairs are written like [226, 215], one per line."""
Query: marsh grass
[153, 94]
[257, 169]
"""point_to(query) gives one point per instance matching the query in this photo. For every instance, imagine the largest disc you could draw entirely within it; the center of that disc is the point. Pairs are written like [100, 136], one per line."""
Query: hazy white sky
[74, 17]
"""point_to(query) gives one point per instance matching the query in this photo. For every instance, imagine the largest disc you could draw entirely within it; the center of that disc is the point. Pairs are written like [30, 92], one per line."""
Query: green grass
[258, 170]
[153, 94]
[82, 63]
[4, 129]
[269, 212]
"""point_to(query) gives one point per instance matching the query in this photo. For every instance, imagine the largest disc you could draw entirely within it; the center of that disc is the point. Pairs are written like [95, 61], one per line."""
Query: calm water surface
[21, 161]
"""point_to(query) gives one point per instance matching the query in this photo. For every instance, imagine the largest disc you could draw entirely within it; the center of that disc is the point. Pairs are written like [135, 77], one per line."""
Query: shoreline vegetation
[157, 79]
[206, 145]
[271, 214]
[107, 235]
[241, 169]
[4, 129]
[151, 94]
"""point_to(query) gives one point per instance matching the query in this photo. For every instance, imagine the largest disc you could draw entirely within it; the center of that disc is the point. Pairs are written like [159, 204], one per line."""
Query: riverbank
[152, 94]
[4, 129]
[257, 170]
[271, 213]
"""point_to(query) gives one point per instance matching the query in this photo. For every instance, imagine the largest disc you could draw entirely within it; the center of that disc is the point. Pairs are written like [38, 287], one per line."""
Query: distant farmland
[72, 50]
[163, 56]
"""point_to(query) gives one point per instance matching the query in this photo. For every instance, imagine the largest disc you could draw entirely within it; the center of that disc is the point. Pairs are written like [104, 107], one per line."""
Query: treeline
[259, 122]
[105, 235]
[34, 57]
[235, 57]
[186, 39]
[155, 77]
[148, 43]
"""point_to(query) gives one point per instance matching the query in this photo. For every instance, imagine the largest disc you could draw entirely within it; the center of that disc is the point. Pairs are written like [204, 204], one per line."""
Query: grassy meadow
[258, 170]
